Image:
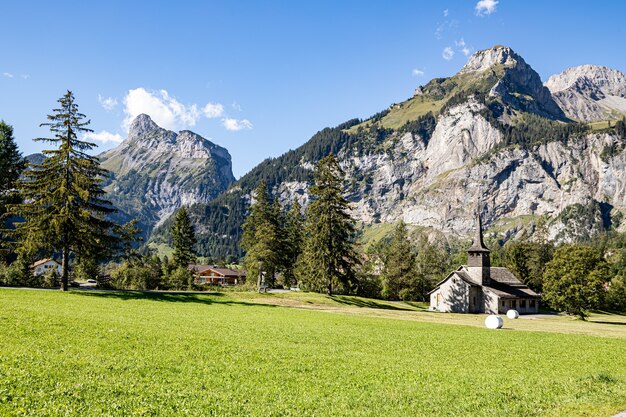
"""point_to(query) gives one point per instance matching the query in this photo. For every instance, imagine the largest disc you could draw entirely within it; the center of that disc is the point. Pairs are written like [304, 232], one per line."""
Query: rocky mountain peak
[141, 125]
[590, 92]
[609, 81]
[488, 58]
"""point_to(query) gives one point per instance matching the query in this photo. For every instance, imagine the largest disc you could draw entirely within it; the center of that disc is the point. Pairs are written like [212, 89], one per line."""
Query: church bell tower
[478, 254]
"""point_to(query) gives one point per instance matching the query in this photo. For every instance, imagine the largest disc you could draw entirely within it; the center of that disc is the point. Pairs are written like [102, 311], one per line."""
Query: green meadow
[87, 353]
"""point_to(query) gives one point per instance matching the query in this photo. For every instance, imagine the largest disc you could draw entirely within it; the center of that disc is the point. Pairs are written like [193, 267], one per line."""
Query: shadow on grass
[358, 302]
[618, 323]
[170, 297]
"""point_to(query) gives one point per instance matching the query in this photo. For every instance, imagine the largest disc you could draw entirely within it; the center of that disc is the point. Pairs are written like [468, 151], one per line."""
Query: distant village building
[479, 288]
[209, 274]
[44, 265]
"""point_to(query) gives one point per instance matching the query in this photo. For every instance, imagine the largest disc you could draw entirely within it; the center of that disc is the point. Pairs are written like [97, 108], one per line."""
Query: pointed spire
[479, 244]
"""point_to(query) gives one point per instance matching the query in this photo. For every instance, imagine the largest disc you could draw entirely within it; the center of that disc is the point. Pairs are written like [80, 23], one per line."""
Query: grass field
[119, 354]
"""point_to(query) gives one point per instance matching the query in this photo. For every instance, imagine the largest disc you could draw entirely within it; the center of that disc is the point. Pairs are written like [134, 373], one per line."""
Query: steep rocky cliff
[156, 171]
[589, 92]
[491, 134]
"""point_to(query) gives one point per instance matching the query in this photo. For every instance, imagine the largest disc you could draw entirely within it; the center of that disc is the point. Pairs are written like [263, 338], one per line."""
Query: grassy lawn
[104, 354]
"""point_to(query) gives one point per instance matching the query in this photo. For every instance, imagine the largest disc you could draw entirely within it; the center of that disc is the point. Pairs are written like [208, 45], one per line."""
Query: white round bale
[494, 322]
[512, 314]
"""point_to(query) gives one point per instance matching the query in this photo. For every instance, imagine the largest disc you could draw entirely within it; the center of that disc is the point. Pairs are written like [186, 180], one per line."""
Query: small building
[42, 266]
[212, 275]
[479, 288]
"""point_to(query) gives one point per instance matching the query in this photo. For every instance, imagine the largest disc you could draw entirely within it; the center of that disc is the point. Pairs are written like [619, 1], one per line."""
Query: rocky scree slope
[491, 133]
[156, 171]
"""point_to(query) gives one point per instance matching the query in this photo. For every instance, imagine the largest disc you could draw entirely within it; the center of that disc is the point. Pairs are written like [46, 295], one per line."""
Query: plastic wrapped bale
[494, 322]
[512, 314]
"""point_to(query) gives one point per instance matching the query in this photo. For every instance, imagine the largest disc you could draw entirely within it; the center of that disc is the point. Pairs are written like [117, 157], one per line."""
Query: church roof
[502, 282]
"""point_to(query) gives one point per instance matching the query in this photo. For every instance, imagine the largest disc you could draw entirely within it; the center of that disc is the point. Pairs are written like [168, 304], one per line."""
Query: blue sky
[260, 78]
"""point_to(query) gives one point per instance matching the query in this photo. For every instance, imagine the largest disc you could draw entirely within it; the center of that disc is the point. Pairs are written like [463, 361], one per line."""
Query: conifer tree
[293, 236]
[262, 236]
[64, 206]
[129, 233]
[11, 166]
[183, 239]
[398, 275]
[328, 259]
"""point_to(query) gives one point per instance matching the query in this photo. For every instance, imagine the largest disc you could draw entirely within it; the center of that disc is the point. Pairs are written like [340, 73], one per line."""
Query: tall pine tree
[293, 237]
[398, 275]
[64, 206]
[262, 236]
[183, 239]
[328, 260]
[11, 166]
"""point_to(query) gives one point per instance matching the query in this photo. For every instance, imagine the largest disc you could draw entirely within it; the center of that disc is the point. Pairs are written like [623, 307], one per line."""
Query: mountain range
[492, 137]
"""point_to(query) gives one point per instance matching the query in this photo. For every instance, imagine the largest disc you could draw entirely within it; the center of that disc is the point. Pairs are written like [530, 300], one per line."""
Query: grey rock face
[156, 171]
[590, 92]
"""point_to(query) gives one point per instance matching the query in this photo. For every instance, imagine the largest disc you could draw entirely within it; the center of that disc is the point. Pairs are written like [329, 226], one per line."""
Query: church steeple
[478, 253]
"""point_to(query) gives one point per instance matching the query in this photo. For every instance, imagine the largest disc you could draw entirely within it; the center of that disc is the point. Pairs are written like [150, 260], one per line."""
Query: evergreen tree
[262, 237]
[183, 239]
[293, 235]
[575, 278]
[398, 276]
[431, 265]
[328, 260]
[11, 166]
[129, 234]
[65, 209]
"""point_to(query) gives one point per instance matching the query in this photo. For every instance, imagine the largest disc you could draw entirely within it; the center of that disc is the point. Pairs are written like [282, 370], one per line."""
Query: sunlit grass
[98, 354]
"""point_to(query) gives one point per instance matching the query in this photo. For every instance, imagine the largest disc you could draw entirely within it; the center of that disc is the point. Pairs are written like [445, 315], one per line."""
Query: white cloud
[417, 72]
[484, 7]
[103, 136]
[7, 74]
[213, 110]
[460, 42]
[108, 103]
[466, 51]
[462, 47]
[447, 53]
[25, 76]
[236, 106]
[445, 13]
[236, 125]
[166, 111]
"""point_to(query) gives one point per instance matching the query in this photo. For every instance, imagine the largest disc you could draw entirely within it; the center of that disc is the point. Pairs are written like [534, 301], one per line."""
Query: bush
[134, 276]
[180, 279]
[616, 294]
[50, 278]
[18, 275]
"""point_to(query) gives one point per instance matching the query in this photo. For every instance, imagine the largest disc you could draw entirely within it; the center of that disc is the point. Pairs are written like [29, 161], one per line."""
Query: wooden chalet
[212, 275]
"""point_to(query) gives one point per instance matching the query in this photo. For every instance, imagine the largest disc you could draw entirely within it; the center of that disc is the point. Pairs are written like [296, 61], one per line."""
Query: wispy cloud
[236, 106]
[462, 47]
[25, 76]
[448, 53]
[485, 7]
[445, 13]
[104, 137]
[235, 125]
[7, 74]
[108, 103]
[417, 72]
[213, 110]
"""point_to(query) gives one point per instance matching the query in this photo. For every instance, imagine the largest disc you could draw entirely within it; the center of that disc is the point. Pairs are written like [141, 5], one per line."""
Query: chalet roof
[227, 272]
[43, 261]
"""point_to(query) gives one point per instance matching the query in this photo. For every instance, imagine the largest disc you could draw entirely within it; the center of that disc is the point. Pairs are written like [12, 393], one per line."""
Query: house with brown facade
[479, 288]
[212, 275]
